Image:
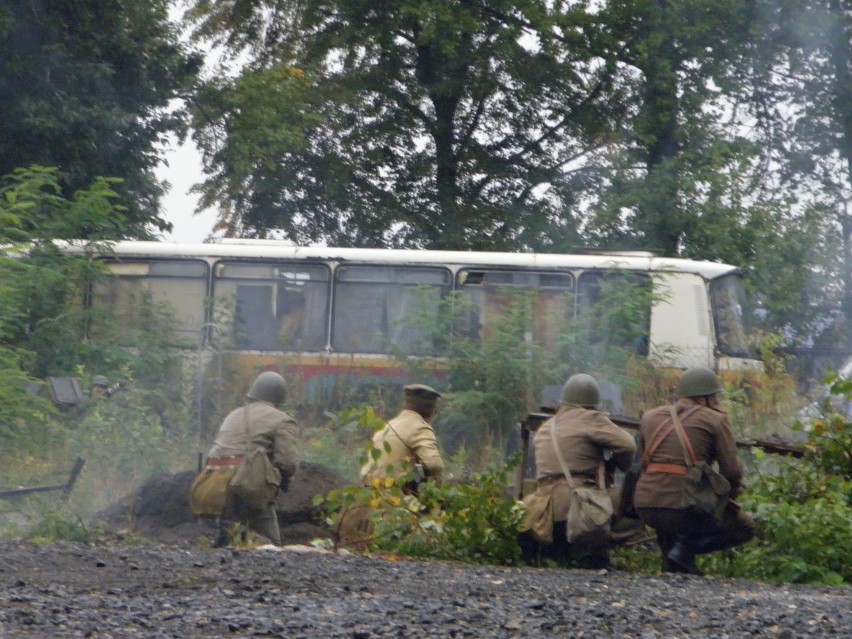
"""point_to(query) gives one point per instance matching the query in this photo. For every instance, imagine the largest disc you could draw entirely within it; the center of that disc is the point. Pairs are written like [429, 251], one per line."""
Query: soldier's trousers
[699, 534]
[263, 521]
[561, 552]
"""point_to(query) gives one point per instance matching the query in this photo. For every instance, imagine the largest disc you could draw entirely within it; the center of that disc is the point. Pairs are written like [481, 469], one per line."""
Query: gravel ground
[72, 590]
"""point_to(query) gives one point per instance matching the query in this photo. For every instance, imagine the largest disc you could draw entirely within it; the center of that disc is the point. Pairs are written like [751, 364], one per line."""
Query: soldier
[582, 433]
[261, 424]
[681, 534]
[100, 386]
[410, 437]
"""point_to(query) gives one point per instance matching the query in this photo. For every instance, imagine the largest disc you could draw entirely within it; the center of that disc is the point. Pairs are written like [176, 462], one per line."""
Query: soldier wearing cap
[680, 534]
[259, 423]
[582, 433]
[408, 437]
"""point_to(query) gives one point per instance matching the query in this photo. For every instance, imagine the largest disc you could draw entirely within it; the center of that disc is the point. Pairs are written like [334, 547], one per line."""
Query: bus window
[177, 286]
[380, 309]
[615, 307]
[548, 298]
[727, 298]
[275, 305]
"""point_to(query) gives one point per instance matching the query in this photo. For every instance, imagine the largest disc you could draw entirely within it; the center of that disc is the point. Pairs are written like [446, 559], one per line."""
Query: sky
[182, 172]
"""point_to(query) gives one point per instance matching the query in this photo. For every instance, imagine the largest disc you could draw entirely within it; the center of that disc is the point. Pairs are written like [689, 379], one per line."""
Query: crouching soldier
[406, 442]
[260, 424]
[681, 533]
[575, 439]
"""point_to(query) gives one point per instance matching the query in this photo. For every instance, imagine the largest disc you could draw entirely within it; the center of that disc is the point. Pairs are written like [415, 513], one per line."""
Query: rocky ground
[72, 590]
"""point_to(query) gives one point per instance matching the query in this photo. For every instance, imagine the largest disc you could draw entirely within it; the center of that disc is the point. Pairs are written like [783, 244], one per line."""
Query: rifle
[774, 445]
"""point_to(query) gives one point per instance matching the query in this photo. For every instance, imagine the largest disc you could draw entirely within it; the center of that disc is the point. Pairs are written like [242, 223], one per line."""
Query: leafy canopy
[433, 124]
[86, 87]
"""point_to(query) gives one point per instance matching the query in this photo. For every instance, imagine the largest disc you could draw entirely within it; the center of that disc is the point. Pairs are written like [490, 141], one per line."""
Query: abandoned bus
[345, 311]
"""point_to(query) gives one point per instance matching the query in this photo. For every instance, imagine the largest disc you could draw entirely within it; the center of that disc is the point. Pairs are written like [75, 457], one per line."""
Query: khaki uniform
[411, 439]
[266, 427]
[658, 494]
[711, 437]
[582, 435]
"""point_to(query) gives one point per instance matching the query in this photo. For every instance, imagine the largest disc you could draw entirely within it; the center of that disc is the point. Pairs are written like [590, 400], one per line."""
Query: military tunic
[711, 437]
[582, 435]
[410, 438]
[268, 428]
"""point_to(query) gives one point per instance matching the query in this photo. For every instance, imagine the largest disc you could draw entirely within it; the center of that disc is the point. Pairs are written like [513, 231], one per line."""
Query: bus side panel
[681, 323]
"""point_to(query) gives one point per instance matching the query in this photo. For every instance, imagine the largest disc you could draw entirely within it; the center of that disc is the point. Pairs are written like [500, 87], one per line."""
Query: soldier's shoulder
[655, 412]
[713, 416]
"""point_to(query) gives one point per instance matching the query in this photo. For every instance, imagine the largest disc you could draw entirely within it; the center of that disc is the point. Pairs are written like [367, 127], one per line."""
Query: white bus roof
[272, 249]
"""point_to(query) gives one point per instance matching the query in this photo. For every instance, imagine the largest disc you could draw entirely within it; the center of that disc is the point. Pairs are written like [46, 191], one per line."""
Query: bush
[473, 521]
[803, 507]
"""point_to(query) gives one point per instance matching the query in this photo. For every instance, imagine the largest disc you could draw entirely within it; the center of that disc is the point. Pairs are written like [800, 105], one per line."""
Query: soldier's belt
[236, 460]
[670, 469]
[552, 479]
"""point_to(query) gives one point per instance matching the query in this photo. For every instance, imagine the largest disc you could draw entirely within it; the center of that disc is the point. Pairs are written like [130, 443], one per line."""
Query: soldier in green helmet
[100, 386]
[681, 534]
[259, 423]
[583, 434]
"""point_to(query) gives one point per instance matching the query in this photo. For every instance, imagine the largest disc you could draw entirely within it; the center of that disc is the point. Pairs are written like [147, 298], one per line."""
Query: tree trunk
[660, 210]
[840, 52]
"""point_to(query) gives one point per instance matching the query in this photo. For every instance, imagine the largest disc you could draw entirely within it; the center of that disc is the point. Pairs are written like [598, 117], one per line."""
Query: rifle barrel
[775, 446]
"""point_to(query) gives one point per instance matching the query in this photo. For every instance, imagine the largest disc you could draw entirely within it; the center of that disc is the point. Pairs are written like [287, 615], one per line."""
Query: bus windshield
[728, 299]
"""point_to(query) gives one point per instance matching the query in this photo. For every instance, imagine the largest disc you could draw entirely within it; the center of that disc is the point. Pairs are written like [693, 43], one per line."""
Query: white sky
[182, 172]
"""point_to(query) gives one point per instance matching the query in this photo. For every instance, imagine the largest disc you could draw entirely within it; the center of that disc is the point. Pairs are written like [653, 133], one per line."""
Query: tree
[38, 324]
[86, 87]
[440, 124]
[679, 57]
[801, 95]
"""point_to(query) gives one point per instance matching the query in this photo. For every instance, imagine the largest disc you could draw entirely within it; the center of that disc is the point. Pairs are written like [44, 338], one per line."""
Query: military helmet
[698, 382]
[269, 387]
[581, 390]
[100, 380]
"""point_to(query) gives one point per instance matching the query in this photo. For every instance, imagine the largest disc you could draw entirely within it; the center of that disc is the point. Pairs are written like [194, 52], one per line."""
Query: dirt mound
[159, 509]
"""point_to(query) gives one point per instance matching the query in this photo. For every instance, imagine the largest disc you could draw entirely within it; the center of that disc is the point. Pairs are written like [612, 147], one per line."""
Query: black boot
[681, 559]
[222, 539]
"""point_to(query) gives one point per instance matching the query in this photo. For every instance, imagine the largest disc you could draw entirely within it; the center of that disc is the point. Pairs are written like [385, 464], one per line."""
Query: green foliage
[339, 443]
[37, 284]
[58, 526]
[803, 542]
[87, 87]
[45, 331]
[472, 521]
[803, 507]
[499, 121]
[502, 345]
